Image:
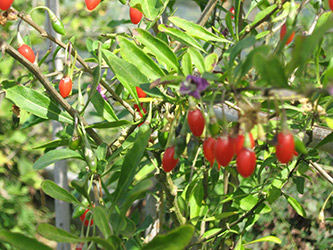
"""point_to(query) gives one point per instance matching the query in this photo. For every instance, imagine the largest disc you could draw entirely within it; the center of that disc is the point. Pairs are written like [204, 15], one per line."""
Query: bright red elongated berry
[208, 150]
[86, 220]
[65, 86]
[330, 3]
[232, 11]
[246, 162]
[196, 122]
[285, 147]
[92, 4]
[169, 162]
[239, 142]
[27, 52]
[5, 4]
[224, 150]
[283, 33]
[135, 15]
[140, 92]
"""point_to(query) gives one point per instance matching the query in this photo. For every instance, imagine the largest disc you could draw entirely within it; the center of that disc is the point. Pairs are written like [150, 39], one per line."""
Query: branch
[34, 69]
[322, 172]
[207, 12]
[28, 20]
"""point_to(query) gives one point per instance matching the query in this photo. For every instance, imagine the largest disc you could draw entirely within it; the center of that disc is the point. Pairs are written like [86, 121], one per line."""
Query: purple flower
[101, 91]
[193, 85]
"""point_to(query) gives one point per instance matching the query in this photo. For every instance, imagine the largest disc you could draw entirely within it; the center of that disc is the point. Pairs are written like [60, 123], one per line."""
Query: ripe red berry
[27, 52]
[65, 86]
[5, 4]
[79, 246]
[330, 3]
[86, 220]
[208, 150]
[140, 92]
[239, 142]
[224, 150]
[232, 11]
[196, 122]
[92, 4]
[283, 33]
[246, 162]
[169, 162]
[135, 15]
[285, 147]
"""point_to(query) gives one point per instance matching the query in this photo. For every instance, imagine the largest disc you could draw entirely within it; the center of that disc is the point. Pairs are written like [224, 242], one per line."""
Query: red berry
[79, 246]
[86, 221]
[283, 33]
[239, 142]
[27, 52]
[285, 147]
[5, 4]
[246, 162]
[196, 122]
[65, 86]
[135, 15]
[330, 3]
[92, 4]
[140, 92]
[169, 162]
[136, 107]
[208, 150]
[224, 150]
[232, 11]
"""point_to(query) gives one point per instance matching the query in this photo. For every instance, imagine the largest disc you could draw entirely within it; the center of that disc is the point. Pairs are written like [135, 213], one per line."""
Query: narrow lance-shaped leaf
[35, 102]
[187, 64]
[132, 160]
[211, 61]
[295, 205]
[101, 221]
[197, 59]
[56, 192]
[103, 108]
[196, 30]
[54, 156]
[177, 239]
[180, 36]
[158, 48]
[128, 75]
[131, 53]
[21, 242]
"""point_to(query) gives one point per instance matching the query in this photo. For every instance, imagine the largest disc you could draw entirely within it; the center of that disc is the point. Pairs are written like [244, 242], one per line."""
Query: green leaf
[101, 220]
[177, 239]
[54, 156]
[295, 205]
[197, 59]
[103, 107]
[239, 47]
[132, 160]
[327, 139]
[58, 193]
[96, 76]
[299, 145]
[271, 70]
[329, 121]
[35, 102]
[266, 238]
[187, 64]
[128, 75]
[180, 36]
[132, 53]
[158, 48]
[196, 30]
[57, 234]
[211, 61]
[150, 8]
[21, 241]
[116, 124]
[81, 186]
[52, 144]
